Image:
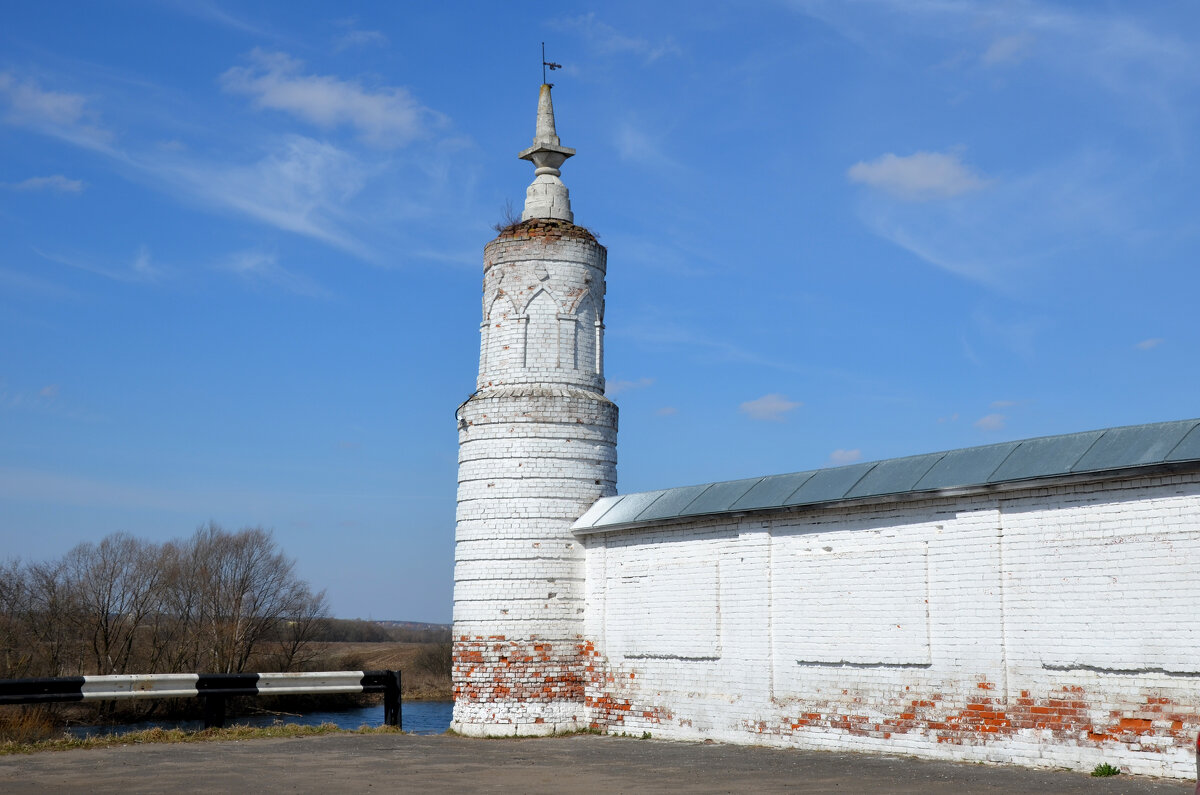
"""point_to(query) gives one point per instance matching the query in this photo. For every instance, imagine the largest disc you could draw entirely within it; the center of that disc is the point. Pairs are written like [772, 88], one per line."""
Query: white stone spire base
[547, 197]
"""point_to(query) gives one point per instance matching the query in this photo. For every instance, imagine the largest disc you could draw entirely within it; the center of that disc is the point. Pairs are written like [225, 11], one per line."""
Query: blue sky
[240, 248]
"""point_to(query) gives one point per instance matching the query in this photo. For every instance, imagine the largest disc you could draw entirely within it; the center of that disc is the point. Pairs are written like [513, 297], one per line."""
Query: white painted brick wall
[1047, 627]
[537, 446]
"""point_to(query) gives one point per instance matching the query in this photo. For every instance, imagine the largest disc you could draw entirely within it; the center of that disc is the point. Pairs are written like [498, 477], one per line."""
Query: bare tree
[16, 657]
[50, 634]
[246, 589]
[306, 623]
[116, 586]
[217, 601]
[172, 640]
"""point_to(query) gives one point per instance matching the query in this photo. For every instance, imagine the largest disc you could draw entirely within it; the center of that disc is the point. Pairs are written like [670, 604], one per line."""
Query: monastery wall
[1047, 627]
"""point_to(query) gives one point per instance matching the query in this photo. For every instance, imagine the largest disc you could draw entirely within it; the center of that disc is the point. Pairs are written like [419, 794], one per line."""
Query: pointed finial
[547, 196]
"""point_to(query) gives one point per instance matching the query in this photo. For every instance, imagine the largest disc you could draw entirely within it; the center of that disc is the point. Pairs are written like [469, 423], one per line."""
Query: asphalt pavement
[576, 764]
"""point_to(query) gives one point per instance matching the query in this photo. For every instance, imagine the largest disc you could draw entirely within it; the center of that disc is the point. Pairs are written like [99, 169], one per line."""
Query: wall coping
[1164, 448]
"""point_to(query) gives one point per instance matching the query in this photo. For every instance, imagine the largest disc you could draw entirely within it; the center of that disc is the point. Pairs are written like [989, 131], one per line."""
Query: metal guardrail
[214, 689]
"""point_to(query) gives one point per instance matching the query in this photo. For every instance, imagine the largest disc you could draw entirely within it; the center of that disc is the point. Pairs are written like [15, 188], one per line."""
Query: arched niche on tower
[541, 332]
[585, 339]
[502, 339]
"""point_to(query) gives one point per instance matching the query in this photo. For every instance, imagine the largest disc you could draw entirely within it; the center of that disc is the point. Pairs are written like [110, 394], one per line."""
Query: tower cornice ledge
[545, 227]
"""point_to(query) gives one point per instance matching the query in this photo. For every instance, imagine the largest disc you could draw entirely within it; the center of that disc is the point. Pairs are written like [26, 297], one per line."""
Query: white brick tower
[537, 446]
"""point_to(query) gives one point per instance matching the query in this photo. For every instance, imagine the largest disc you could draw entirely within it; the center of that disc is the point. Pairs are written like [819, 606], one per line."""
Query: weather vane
[549, 64]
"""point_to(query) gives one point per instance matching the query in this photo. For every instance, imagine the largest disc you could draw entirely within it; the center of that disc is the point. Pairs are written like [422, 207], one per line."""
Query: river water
[419, 717]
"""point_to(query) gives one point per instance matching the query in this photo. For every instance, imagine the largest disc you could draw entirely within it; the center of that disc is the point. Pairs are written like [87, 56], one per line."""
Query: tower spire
[547, 196]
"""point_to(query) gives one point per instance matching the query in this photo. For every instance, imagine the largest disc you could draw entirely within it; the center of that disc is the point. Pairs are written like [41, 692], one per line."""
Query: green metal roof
[1157, 446]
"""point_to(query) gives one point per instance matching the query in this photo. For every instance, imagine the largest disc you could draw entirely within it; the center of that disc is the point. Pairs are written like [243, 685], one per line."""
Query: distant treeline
[356, 630]
[216, 602]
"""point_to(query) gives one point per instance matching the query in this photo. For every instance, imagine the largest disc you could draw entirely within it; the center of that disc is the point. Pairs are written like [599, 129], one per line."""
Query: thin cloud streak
[841, 457]
[607, 40]
[1022, 226]
[263, 268]
[921, 176]
[301, 186]
[672, 336]
[298, 185]
[59, 114]
[991, 422]
[211, 12]
[772, 407]
[614, 388]
[141, 268]
[55, 183]
[385, 117]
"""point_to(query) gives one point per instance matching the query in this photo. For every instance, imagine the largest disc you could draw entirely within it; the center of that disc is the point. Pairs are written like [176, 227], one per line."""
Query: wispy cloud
[921, 176]
[639, 144]
[1022, 226]
[55, 183]
[607, 40]
[43, 400]
[141, 267]
[772, 407]
[675, 256]
[672, 335]
[1150, 72]
[301, 186]
[1083, 194]
[354, 36]
[1089, 39]
[1149, 344]
[1017, 335]
[261, 268]
[386, 116]
[1003, 404]
[841, 457]
[15, 281]
[61, 114]
[991, 422]
[614, 388]
[210, 11]
[1006, 50]
[666, 411]
[290, 182]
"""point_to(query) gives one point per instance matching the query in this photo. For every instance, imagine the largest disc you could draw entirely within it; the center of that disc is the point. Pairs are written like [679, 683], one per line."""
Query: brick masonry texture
[1047, 627]
[537, 446]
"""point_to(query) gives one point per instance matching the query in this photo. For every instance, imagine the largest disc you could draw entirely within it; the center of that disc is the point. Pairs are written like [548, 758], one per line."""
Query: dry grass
[64, 743]
[28, 725]
[418, 685]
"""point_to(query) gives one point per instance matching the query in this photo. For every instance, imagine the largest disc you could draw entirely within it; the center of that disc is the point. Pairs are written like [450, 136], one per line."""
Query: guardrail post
[392, 715]
[214, 711]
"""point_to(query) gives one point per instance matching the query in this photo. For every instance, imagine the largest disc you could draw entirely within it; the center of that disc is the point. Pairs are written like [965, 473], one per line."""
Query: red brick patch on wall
[495, 668]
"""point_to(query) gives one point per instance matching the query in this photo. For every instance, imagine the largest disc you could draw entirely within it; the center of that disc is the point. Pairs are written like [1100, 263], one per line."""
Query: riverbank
[419, 682]
[354, 762]
[425, 677]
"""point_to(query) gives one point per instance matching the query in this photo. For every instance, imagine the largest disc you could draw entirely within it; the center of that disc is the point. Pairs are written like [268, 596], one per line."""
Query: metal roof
[1160, 445]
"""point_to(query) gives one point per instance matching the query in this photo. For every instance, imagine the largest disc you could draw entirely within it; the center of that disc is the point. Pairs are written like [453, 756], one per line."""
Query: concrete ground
[583, 763]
